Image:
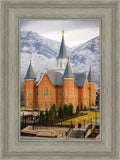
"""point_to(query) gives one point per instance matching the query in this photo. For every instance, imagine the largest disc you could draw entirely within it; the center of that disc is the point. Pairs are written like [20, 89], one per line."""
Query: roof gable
[56, 78]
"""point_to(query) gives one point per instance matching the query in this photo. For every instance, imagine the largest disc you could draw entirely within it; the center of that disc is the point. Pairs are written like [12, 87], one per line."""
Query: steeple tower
[30, 74]
[68, 86]
[90, 76]
[91, 83]
[68, 72]
[62, 57]
[29, 88]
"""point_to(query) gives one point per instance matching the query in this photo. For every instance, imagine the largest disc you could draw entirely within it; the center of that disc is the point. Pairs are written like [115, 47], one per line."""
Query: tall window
[27, 92]
[66, 82]
[45, 91]
[31, 102]
[27, 83]
[41, 92]
[66, 92]
[45, 103]
[40, 103]
[70, 82]
[60, 92]
[70, 92]
[31, 92]
[50, 103]
[31, 82]
[60, 64]
[50, 92]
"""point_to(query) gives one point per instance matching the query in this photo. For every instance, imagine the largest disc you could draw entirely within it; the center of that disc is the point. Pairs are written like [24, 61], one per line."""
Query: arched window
[60, 64]
[45, 91]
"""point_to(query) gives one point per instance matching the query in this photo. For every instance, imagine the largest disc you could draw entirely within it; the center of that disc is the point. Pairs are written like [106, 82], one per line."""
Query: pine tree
[42, 116]
[71, 109]
[60, 112]
[77, 109]
[46, 114]
[51, 115]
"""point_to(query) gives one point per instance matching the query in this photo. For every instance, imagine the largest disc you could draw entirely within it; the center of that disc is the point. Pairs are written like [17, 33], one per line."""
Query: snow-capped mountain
[43, 53]
[86, 55]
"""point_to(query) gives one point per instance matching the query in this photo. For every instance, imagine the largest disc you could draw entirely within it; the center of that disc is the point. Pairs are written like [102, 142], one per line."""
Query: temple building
[59, 86]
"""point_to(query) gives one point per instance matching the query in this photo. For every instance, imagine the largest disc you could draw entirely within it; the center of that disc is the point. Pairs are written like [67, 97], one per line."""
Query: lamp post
[91, 126]
[84, 123]
[96, 117]
[23, 118]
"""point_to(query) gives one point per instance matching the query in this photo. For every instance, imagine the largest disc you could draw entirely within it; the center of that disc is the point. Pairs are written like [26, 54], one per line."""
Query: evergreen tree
[51, 115]
[54, 108]
[60, 112]
[46, 114]
[66, 111]
[42, 116]
[81, 106]
[71, 110]
[77, 109]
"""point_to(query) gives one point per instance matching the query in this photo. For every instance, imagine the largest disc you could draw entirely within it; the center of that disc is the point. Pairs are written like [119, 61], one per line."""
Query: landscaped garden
[82, 119]
[65, 116]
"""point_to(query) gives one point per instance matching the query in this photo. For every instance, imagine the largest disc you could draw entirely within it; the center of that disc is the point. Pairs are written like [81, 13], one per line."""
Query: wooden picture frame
[108, 14]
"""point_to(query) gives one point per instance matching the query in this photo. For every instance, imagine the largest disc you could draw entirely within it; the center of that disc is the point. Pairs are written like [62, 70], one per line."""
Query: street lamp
[96, 117]
[91, 126]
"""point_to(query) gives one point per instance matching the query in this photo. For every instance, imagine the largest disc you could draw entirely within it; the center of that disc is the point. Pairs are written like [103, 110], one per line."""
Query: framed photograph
[59, 79]
[58, 101]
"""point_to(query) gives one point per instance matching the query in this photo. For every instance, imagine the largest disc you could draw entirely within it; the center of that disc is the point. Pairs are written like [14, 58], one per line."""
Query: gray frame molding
[108, 13]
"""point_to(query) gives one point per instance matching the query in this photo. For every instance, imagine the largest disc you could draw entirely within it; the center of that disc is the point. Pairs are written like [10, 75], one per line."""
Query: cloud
[76, 31]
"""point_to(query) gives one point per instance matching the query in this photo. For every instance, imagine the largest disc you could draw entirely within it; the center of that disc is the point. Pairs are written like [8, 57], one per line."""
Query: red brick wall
[92, 94]
[76, 96]
[45, 82]
[68, 86]
[83, 93]
[59, 98]
[29, 94]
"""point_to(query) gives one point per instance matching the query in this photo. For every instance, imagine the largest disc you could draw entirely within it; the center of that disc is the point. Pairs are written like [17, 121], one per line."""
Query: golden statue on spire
[62, 33]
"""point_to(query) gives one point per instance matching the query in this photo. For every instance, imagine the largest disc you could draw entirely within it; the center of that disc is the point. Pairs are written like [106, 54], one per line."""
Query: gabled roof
[56, 78]
[30, 74]
[68, 73]
[90, 76]
[62, 52]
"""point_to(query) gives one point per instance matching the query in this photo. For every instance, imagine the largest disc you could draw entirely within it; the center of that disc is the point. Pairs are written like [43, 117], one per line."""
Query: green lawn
[80, 119]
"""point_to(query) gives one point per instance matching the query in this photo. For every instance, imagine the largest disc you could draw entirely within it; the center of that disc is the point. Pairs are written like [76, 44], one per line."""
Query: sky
[75, 31]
